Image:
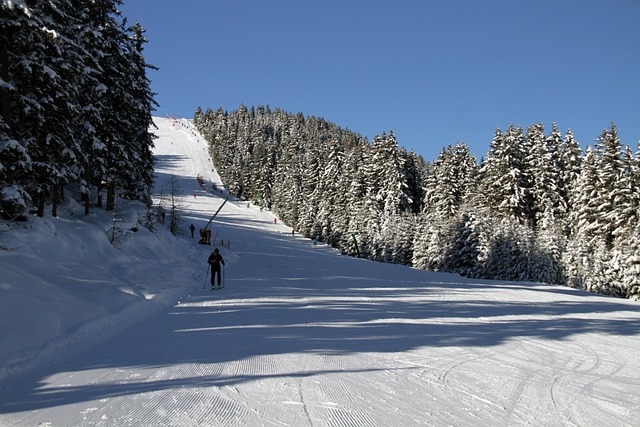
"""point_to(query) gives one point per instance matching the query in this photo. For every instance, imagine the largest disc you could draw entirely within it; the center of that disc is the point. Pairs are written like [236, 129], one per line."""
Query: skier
[192, 228]
[214, 260]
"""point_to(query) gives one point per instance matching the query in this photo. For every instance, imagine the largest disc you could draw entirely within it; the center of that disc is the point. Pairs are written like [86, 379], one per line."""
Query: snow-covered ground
[92, 334]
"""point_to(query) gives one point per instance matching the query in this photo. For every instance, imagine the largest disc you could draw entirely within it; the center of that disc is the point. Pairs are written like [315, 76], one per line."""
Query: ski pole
[206, 276]
[223, 275]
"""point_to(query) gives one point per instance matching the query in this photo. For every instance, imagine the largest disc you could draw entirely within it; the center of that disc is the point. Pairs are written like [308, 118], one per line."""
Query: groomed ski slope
[304, 336]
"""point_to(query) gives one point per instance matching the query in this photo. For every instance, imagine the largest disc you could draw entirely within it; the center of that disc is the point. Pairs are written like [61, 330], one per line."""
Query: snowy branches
[75, 104]
[535, 209]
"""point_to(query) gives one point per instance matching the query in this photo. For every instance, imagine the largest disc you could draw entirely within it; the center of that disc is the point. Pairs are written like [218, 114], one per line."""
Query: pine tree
[610, 168]
[626, 202]
[40, 66]
[583, 221]
[630, 265]
[544, 176]
[16, 27]
[142, 103]
[63, 101]
[331, 205]
[415, 172]
[569, 166]
[355, 184]
[91, 89]
[532, 211]
[463, 250]
[505, 189]
[452, 181]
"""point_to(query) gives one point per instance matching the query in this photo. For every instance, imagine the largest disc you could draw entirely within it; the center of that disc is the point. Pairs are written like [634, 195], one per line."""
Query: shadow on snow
[338, 314]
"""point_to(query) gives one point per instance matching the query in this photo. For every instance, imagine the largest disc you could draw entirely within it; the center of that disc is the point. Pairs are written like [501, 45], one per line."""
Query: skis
[216, 288]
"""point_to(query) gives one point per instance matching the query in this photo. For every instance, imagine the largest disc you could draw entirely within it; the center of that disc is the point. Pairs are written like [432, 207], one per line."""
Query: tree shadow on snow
[271, 306]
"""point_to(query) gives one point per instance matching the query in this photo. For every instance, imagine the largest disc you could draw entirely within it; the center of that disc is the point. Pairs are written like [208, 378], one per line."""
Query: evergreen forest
[75, 105]
[76, 110]
[537, 207]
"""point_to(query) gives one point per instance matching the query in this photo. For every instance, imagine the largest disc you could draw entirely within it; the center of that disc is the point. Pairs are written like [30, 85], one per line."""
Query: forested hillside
[75, 111]
[75, 105]
[536, 208]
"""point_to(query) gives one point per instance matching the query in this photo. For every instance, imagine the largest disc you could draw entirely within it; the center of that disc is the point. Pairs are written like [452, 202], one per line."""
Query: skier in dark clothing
[192, 228]
[215, 259]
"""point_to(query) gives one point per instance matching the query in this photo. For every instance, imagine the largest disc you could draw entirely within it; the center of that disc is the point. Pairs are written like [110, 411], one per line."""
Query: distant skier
[215, 259]
[193, 229]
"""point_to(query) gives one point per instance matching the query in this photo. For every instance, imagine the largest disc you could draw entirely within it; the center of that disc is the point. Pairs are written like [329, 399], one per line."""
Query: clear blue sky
[436, 72]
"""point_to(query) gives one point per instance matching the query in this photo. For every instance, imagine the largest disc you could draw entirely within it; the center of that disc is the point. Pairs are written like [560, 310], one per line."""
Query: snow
[10, 4]
[98, 334]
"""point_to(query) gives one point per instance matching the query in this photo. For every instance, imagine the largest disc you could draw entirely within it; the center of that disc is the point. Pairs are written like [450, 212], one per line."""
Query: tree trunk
[41, 198]
[99, 193]
[111, 196]
[85, 199]
[56, 200]
[5, 95]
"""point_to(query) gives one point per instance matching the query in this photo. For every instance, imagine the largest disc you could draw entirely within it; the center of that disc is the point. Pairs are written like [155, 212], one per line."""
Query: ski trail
[303, 336]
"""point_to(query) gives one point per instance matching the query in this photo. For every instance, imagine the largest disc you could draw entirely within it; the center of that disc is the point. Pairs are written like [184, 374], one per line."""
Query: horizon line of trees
[536, 208]
[75, 105]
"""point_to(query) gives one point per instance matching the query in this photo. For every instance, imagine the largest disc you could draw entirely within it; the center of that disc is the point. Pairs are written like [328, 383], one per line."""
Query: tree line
[537, 207]
[75, 105]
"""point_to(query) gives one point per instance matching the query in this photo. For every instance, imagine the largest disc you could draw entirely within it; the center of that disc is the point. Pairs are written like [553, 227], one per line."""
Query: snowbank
[64, 284]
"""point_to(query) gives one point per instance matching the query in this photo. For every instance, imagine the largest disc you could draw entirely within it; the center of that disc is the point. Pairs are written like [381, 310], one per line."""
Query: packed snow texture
[93, 333]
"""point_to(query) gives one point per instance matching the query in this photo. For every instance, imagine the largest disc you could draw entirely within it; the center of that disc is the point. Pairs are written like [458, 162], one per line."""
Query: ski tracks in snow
[302, 336]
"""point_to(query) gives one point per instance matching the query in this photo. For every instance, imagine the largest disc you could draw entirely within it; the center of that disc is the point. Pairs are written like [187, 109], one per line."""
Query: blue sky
[434, 72]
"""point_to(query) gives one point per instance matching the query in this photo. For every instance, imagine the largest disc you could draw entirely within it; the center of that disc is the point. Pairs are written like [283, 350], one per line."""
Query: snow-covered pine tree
[312, 189]
[288, 192]
[388, 193]
[505, 188]
[630, 265]
[624, 215]
[427, 238]
[332, 205]
[624, 219]
[39, 100]
[55, 97]
[216, 128]
[450, 184]
[583, 221]
[441, 195]
[110, 39]
[90, 93]
[60, 117]
[602, 210]
[609, 190]
[354, 185]
[117, 102]
[263, 159]
[415, 172]
[341, 235]
[17, 27]
[452, 181]
[141, 105]
[509, 252]
[570, 166]
[463, 250]
[544, 176]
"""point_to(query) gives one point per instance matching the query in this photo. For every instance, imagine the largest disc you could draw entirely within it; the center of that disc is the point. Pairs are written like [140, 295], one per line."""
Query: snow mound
[65, 285]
